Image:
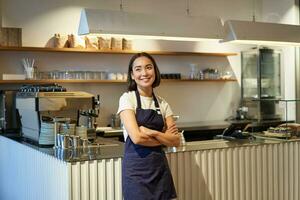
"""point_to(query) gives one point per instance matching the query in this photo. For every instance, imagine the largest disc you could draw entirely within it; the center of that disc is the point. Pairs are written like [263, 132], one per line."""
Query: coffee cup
[112, 76]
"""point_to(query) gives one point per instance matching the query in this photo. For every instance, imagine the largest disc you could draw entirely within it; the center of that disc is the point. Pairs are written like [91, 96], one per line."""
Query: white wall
[39, 20]
[1, 13]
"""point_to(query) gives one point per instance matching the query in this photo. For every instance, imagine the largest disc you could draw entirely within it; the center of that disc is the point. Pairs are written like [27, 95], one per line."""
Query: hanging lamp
[149, 26]
[261, 33]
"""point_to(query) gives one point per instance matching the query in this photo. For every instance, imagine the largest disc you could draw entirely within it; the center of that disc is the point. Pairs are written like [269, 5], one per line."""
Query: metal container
[115, 121]
[75, 141]
[63, 141]
[84, 142]
[63, 154]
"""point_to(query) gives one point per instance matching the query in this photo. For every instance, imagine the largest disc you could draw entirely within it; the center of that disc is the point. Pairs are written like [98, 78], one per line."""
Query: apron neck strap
[138, 99]
[155, 101]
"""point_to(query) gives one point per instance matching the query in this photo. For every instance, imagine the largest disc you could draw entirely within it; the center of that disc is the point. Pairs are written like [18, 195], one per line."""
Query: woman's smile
[145, 79]
[143, 72]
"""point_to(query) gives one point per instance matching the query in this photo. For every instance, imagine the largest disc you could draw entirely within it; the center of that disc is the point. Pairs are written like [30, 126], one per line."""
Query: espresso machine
[40, 106]
[9, 117]
[88, 117]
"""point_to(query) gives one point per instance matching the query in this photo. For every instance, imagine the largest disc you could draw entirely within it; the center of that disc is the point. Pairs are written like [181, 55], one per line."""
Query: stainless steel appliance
[261, 83]
[9, 118]
[37, 107]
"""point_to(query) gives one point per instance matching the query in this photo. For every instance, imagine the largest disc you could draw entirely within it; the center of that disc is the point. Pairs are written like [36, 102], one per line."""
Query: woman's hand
[172, 129]
[170, 137]
[134, 132]
[148, 131]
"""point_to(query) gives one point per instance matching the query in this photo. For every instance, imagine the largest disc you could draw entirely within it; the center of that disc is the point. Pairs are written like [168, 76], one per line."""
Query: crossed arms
[147, 137]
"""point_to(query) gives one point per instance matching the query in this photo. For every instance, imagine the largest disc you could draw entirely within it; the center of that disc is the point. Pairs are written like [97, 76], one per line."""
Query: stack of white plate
[81, 131]
[47, 133]
[67, 128]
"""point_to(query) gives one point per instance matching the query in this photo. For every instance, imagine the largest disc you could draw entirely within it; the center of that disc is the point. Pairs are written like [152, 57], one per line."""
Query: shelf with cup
[103, 81]
[58, 81]
[201, 80]
[74, 50]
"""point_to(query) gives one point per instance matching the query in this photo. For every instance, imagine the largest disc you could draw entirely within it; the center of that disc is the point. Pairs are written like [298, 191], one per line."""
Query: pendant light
[261, 33]
[149, 26]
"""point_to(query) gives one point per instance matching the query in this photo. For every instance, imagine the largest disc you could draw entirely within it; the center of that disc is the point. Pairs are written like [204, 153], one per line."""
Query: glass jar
[193, 71]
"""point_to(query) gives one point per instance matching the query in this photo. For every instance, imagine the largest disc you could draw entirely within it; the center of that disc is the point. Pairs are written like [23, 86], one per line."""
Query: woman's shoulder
[127, 101]
[161, 100]
[128, 96]
[164, 105]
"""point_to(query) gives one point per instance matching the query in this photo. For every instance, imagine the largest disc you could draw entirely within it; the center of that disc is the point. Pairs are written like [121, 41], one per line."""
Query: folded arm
[136, 135]
[169, 138]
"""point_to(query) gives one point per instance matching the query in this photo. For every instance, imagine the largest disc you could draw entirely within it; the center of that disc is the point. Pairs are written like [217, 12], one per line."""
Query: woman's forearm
[146, 140]
[167, 138]
[134, 132]
[170, 140]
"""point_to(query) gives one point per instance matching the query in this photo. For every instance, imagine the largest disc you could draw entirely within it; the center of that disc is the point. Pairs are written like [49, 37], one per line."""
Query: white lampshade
[261, 33]
[149, 26]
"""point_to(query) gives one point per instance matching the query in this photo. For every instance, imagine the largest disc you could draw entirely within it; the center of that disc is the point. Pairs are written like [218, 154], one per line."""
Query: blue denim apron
[145, 171]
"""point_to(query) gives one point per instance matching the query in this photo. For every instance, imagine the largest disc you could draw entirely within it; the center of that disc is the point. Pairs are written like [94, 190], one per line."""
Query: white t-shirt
[128, 102]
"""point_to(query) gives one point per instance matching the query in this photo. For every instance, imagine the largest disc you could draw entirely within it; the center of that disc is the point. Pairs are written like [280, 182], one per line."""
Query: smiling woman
[143, 66]
[148, 125]
[143, 73]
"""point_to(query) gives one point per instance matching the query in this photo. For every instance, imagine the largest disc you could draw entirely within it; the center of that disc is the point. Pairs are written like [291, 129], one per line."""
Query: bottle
[193, 71]
[200, 75]
[182, 139]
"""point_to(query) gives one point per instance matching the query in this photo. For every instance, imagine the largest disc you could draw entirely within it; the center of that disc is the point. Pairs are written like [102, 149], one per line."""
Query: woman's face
[143, 72]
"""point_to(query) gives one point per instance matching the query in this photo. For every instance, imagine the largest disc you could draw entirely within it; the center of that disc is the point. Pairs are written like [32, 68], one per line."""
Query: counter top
[186, 126]
[113, 149]
[116, 150]
[210, 125]
[202, 125]
[218, 144]
[197, 126]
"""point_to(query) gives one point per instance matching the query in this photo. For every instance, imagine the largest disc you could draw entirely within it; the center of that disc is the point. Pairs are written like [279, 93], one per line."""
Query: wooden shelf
[57, 81]
[205, 80]
[101, 81]
[74, 50]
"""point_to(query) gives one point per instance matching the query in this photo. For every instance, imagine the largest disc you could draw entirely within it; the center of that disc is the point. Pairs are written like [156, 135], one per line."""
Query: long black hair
[131, 83]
